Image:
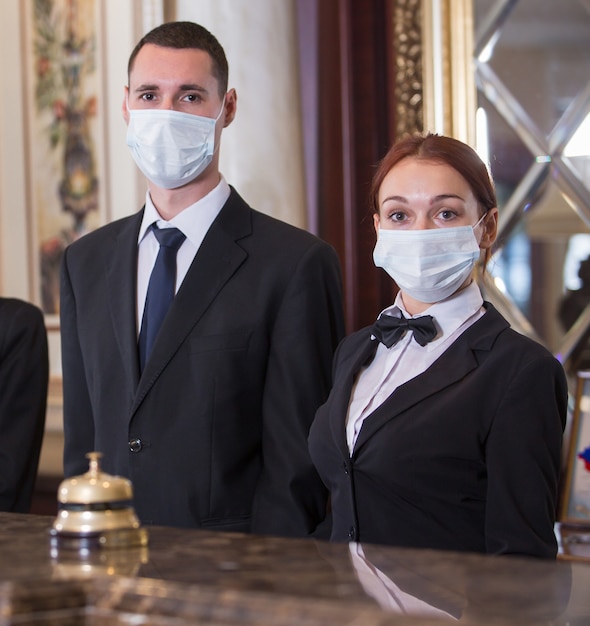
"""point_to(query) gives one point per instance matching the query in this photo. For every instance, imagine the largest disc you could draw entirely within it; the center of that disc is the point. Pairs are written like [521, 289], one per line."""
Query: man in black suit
[212, 428]
[24, 373]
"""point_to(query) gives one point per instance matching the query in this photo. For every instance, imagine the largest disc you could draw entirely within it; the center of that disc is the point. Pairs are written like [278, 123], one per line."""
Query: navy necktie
[389, 330]
[160, 292]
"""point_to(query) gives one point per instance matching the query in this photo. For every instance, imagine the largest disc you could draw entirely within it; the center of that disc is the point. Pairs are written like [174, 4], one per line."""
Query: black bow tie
[389, 330]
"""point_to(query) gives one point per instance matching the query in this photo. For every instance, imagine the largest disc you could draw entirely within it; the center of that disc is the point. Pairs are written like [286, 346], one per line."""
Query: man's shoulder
[265, 225]
[109, 231]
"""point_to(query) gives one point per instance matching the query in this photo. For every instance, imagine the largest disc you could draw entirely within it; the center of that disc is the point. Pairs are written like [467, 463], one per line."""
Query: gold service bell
[95, 511]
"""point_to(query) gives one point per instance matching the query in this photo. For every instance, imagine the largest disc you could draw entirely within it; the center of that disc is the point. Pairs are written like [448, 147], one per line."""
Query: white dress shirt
[193, 222]
[405, 360]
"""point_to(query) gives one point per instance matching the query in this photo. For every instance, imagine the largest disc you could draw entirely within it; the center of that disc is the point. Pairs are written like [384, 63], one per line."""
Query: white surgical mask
[171, 148]
[429, 265]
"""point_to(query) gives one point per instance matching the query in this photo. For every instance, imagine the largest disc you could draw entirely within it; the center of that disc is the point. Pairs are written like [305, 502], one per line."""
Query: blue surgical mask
[429, 265]
[171, 148]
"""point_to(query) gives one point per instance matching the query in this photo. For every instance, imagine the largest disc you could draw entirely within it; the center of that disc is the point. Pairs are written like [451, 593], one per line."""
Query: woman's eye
[397, 216]
[447, 214]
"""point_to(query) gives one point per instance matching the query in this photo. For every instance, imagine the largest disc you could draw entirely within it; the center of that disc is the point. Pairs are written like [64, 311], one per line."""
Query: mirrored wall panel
[532, 60]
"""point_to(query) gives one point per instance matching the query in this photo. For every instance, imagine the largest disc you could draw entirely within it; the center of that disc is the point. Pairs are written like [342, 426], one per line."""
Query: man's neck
[170, 202]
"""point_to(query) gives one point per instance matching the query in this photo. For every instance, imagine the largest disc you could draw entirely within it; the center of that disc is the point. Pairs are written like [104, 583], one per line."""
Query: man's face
[179, 79]
[171, 78]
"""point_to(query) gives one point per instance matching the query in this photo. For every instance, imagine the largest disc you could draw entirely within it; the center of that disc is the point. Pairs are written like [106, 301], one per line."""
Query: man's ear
[124, 105]
[231, 105]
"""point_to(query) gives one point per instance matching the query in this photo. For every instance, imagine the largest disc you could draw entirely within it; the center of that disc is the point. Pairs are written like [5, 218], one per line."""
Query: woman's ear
[490, 229]
[376, 222]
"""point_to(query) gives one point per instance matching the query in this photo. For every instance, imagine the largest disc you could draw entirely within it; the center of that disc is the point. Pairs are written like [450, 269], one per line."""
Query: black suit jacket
[214, 431]
[24, 372]
[465, 456]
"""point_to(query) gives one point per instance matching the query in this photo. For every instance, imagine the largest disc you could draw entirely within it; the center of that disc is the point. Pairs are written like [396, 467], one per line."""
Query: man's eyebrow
[147, 87]
[186, 87]
[193, 87]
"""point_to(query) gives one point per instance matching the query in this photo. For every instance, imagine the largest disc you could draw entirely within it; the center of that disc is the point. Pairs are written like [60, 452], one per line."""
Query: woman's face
[417, 195]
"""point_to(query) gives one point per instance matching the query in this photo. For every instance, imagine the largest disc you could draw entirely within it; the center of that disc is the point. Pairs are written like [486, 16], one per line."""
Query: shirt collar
[192, 221]
[449, 314]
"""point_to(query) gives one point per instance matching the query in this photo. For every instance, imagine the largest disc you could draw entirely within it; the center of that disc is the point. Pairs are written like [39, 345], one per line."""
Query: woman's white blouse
[394, 366]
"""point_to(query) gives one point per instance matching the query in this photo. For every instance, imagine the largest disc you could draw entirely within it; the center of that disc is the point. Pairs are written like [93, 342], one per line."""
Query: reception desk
[202, 577]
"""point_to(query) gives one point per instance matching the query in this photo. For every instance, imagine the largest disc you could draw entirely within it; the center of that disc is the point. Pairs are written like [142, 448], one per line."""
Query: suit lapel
[200, 287]
[360, 352]
[454, 364]
[122, 279]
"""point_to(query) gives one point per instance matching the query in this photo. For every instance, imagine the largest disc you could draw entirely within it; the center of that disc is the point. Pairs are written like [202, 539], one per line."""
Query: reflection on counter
[68, 564]
[202, 577]
[574, 541]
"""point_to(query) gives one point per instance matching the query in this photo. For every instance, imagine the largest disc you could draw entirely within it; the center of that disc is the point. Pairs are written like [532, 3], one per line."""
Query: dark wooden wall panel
[354, 70]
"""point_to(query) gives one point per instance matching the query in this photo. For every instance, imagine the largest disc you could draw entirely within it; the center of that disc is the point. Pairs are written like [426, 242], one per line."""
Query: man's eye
[147, 96]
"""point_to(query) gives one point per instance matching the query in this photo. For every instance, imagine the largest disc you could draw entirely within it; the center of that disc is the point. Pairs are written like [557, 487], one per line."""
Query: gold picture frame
[575, 501]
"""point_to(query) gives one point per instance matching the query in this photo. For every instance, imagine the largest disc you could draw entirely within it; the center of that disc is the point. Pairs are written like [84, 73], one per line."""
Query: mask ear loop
[221, 110]
[480, 220]
[216, 143]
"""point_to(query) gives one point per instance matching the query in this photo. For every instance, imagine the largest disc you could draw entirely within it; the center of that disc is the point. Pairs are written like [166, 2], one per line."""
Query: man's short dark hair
[187, 35]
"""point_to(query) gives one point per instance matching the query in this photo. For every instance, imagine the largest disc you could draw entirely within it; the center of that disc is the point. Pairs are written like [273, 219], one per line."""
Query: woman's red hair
[439, 149]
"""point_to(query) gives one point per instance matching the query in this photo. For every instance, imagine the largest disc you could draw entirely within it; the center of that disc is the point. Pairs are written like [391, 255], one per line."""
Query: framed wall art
[64, 130]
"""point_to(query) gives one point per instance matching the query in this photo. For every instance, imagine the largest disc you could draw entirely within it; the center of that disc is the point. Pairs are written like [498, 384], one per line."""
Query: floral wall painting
[64, 168]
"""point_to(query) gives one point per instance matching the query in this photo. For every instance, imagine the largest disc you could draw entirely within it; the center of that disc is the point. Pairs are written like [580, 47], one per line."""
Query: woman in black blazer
[444, 426]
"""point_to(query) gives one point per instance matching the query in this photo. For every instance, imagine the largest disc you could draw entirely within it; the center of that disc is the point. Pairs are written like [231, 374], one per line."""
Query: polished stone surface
[202, 577]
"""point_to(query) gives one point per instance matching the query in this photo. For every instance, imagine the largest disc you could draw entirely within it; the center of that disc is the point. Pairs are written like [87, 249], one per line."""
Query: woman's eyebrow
[445, 196]
[395, 199]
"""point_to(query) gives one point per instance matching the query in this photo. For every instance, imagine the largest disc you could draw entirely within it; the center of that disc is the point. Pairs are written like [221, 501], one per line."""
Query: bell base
[119, 538]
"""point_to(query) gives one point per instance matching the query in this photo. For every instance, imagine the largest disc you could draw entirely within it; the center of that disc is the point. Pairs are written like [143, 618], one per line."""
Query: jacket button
[352, 532]
[135, 445]
[345, 468]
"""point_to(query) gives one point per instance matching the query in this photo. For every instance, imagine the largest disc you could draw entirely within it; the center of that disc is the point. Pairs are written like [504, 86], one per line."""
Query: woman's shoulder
[503, 335]
[355, 341]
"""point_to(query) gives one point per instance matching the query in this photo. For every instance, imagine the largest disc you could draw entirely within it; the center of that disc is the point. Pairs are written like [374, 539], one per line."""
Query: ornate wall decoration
[409, 89]
[62, 125]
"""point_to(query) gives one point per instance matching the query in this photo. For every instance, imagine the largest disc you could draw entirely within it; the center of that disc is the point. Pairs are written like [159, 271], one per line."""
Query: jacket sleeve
[24, 373]
[77, 410]
[523, 448]
[290, 498]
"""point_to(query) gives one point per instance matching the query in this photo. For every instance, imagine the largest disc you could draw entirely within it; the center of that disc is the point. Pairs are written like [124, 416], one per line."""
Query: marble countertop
[201, 577]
